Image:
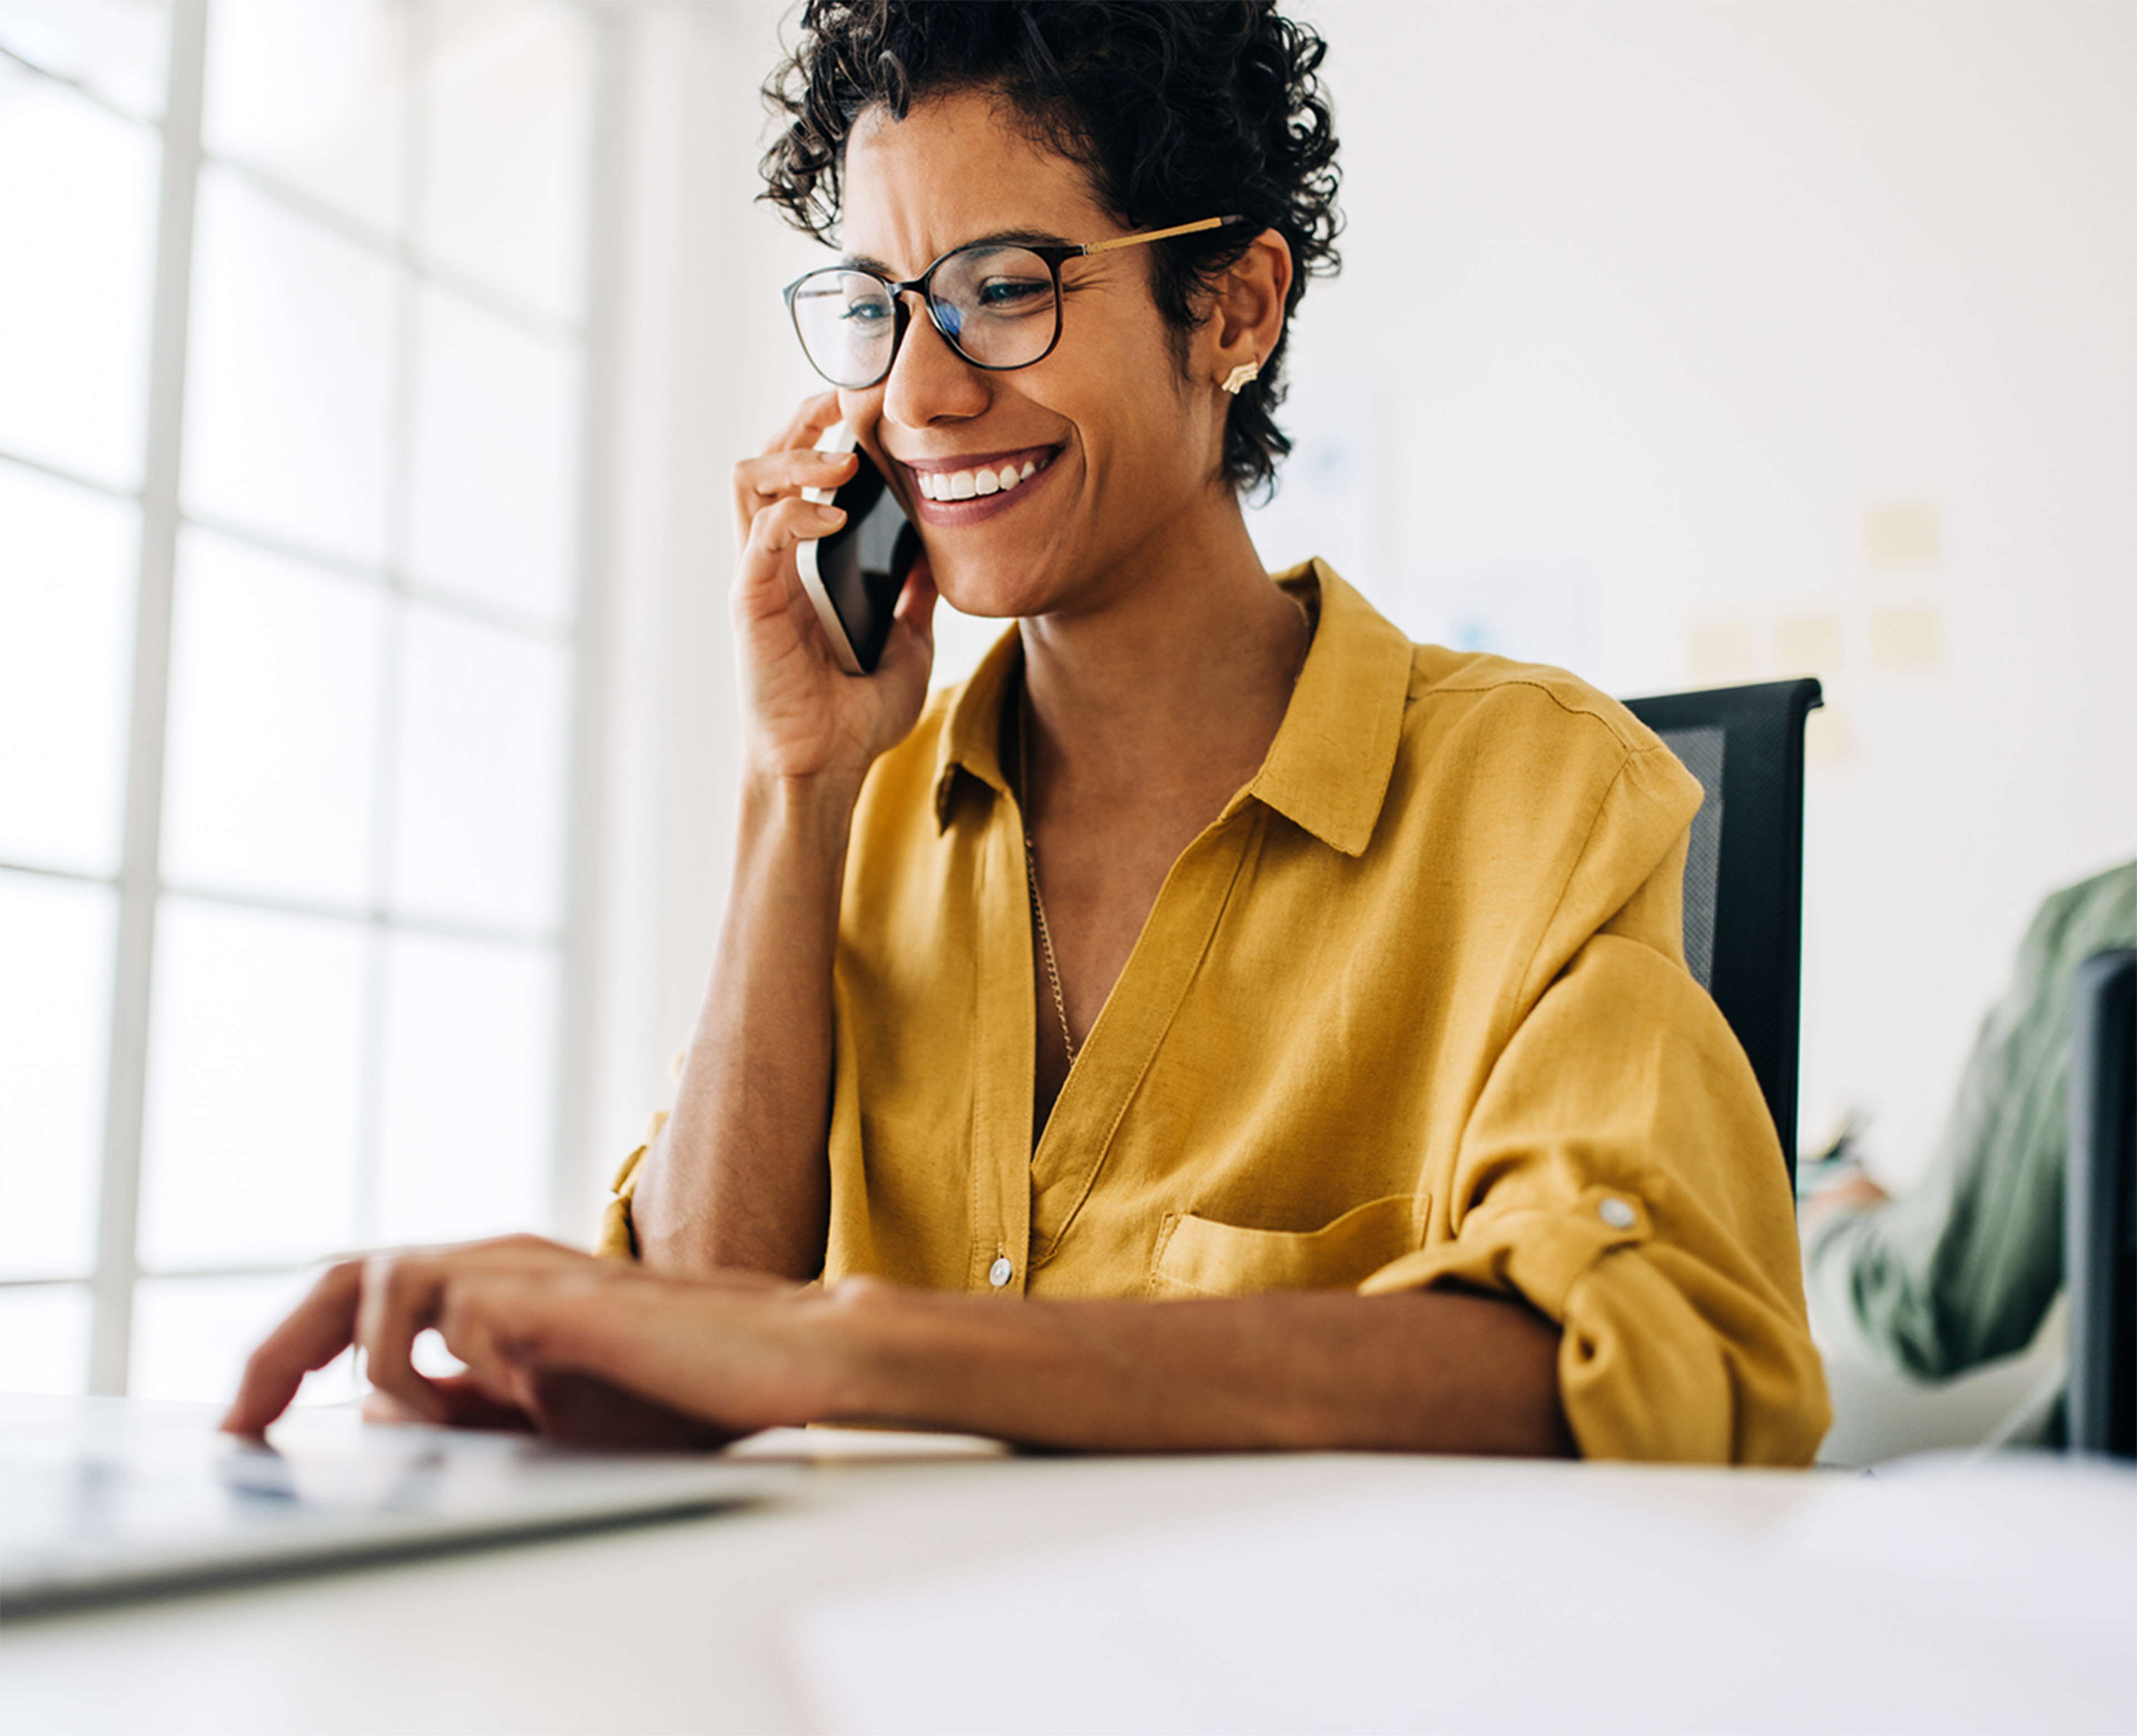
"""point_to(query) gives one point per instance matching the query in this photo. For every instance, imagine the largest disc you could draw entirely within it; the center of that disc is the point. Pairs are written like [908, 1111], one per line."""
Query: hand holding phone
[854, 574]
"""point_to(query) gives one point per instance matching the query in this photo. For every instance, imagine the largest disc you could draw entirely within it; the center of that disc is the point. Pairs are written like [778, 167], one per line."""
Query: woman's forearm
[595, 1349]
[738, 1178]
[1430, 1371]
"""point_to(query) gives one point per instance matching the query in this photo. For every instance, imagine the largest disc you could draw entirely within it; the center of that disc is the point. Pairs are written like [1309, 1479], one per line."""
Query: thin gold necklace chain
[1031, 869]
[1031, 850]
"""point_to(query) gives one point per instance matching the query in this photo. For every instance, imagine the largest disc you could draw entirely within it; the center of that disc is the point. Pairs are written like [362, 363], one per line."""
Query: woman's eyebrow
[1000, 238]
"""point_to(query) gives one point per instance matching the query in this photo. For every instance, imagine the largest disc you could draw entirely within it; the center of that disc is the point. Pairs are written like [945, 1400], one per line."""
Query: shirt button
[1617, 1214]
[1001, 1271]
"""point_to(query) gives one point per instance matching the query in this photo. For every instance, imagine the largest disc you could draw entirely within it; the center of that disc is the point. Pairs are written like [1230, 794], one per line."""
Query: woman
[1293, 1020]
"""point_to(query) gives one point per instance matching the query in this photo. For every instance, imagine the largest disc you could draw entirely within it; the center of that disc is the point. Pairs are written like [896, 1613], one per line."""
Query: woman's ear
[1246, 311]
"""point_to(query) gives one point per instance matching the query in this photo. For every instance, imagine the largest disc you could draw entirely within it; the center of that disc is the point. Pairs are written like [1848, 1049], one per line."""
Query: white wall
[1682, 342]
[1659, 313]
[1687, 343]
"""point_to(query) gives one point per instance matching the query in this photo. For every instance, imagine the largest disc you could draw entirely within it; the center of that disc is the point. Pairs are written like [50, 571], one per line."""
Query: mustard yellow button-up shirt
[1413, 1010]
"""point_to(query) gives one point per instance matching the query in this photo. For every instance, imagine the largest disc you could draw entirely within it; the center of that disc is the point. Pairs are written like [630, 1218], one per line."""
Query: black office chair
[2099, 1203]
[1743, 877]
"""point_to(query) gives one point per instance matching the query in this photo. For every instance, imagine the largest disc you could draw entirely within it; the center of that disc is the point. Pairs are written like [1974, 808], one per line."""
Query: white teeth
[972, 484]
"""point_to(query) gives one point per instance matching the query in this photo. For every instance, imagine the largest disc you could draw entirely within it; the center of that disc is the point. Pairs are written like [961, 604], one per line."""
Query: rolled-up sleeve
[1620, 1175]
[617, 1238]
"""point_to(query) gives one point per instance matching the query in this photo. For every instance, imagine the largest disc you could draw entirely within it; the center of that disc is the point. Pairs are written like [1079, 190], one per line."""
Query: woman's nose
[929, 381]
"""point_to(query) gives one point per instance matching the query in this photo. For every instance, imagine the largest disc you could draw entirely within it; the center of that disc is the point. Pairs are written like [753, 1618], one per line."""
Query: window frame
[137, 880]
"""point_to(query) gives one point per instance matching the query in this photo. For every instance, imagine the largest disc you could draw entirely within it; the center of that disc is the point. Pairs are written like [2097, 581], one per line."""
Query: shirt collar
[1328, 770]
[971, 736]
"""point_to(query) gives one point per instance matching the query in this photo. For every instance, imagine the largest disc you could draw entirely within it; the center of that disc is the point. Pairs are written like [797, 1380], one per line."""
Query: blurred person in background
[1218, 1023]
[1961, 1269]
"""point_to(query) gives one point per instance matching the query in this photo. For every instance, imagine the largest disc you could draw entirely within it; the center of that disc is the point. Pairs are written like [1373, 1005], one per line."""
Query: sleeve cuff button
[1619, 1215]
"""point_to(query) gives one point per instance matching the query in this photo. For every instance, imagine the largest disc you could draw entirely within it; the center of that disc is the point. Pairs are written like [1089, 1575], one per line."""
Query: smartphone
[854, 574]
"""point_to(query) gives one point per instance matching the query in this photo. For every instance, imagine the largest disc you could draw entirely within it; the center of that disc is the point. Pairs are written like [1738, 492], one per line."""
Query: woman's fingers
[554, 1339]
[317, 1330]
[778, 637]
[758, 482]
[469, 1406]
[772, 474]
[766, 579]
[408, 1293]
[732, 1357]
[518, 1331]
[793, 691]
[400, 1300]
[790, 463]
[381, 1304]
[777, 529]
[589, 1412]
[802, 716]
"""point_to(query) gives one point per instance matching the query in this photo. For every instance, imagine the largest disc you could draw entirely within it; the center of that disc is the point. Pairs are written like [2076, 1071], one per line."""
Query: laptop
[112, 1498]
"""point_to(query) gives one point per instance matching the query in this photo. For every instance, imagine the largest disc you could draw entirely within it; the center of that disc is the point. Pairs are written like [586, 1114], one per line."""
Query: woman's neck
[1179, 676]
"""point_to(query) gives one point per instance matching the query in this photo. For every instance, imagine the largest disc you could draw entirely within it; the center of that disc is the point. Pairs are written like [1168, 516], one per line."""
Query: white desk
[1328, 1591]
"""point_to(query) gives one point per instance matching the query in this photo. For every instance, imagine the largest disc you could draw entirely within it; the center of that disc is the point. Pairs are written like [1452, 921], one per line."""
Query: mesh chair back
[1743, 872]
[2100, 1241]
[1704, 751]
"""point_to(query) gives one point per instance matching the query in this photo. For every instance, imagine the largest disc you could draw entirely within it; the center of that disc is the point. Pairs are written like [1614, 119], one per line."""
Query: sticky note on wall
[1902, 535]
[1906, 641]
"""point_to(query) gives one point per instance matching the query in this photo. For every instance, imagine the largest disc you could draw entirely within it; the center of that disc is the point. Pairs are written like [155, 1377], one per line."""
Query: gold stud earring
[1239, 376]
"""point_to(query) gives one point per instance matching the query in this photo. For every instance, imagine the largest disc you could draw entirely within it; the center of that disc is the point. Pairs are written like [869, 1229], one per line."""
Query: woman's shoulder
[1361, 649]
[1485, 746]
[1540, 728]
[1447, 685]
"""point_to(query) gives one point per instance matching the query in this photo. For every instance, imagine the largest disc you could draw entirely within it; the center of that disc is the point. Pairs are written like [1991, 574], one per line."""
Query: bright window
[292, 344]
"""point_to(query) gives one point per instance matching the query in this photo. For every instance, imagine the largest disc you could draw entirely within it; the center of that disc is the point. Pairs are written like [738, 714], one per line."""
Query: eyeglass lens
[997, 306]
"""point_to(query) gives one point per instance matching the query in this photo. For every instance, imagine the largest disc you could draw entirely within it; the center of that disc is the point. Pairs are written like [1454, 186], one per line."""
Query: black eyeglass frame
[1055, 254]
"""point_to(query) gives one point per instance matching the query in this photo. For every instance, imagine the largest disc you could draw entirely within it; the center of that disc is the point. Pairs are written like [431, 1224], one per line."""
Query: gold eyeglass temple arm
[1158, 235]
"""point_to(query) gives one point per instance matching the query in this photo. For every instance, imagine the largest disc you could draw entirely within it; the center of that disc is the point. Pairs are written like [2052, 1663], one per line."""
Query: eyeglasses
[996, 303]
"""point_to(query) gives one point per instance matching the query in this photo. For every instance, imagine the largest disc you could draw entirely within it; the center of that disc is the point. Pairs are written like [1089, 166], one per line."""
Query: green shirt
[1962, 1268]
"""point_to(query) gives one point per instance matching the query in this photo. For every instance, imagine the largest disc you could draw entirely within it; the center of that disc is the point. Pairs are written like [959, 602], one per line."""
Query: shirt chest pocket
[1200, 1256]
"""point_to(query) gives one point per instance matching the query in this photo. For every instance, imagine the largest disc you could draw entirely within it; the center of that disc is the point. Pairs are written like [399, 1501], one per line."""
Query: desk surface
[1274, 1593]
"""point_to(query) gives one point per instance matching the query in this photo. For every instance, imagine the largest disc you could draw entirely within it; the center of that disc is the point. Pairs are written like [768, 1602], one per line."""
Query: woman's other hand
[554, 1340]
[802, 716]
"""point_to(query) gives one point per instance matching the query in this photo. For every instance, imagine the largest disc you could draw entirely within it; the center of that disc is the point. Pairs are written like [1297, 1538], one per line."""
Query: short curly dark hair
[1177, 110]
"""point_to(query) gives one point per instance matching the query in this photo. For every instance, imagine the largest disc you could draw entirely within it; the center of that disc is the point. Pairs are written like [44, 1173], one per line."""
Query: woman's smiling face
[1112, 452]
